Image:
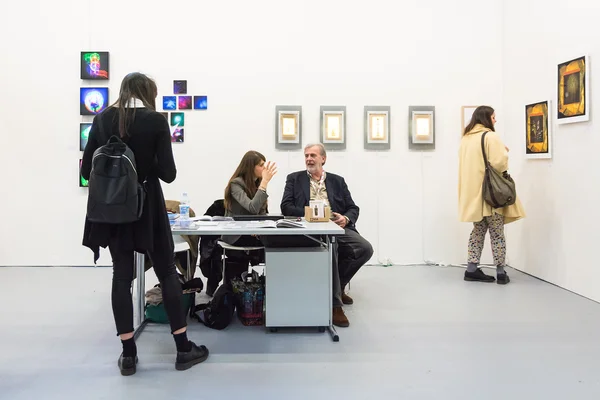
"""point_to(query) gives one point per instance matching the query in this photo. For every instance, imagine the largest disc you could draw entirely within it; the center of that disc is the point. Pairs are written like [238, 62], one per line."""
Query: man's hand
[339, 219]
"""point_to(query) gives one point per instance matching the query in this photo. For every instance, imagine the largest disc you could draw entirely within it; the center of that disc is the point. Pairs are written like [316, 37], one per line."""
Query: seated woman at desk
[246, 194]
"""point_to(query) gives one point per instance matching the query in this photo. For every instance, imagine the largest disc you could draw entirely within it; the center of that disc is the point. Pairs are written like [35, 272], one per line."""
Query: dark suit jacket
[296, 196]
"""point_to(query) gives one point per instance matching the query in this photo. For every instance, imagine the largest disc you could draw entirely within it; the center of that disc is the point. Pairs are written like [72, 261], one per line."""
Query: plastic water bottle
[184, 211]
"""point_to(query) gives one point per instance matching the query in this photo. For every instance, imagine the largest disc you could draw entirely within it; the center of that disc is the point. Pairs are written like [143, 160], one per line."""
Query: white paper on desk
[230, 226]
[205, 223]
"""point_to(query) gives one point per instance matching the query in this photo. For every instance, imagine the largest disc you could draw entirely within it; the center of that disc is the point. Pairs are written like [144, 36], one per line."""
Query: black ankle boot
[503, 279]
[187, 359]
[478, 276]
[127, 365]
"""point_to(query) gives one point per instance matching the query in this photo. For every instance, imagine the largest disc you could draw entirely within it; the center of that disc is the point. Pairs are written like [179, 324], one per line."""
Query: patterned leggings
[495, 224]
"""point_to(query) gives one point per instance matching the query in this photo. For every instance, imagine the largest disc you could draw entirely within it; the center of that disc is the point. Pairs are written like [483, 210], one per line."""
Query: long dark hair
[134, 86]
[245, 170]
[482, 115]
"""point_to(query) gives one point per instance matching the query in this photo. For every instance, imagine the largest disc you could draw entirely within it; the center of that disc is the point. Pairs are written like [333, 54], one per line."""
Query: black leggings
[123, 272]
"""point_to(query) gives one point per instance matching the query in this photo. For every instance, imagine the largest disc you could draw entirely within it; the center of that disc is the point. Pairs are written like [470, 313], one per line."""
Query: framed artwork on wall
[200, 102]
[92, 100]
[180, 87]
[333, 127]
[184, 102]
[377, 127]
[288, 127]
[466, 112]
[573, 91]
[82, 182]
[169, 102]
[421, 127]
[538, 130]
[94, 65]
[84, 134]
[177, 119]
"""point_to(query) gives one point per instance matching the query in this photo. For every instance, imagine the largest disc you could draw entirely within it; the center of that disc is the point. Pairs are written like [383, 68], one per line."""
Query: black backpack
[115, 195]
[217, 313]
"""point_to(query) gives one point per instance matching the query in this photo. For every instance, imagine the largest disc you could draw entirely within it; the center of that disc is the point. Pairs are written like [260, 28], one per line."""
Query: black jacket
[296, 196]
[150, 140]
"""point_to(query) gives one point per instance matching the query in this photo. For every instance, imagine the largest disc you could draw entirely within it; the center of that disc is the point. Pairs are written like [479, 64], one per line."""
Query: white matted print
[288, 129]
[378, 127]
[422, 127]
[333, 127]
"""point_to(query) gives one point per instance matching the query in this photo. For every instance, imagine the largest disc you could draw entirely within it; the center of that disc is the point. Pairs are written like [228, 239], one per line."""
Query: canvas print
[84, 134]
[177, 135]
[169, 102]
[538, 130]
[92, 100]
[82, 182]
[573, 91]
[177, 119]
[200, 102]
[179, 87]
[185, 102]
[94, 65]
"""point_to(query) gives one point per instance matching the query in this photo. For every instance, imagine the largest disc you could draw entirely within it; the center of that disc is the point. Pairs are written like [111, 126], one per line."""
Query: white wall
[558, 241]
[248, 57]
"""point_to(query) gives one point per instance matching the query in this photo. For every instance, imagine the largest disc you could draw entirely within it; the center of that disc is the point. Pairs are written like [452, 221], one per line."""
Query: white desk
[312, 230]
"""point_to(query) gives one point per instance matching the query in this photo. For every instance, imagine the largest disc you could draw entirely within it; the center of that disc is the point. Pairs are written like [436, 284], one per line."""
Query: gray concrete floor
[416, 333]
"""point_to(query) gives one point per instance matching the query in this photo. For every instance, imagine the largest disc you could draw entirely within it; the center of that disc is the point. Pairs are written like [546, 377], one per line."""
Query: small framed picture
[421, 127]
[94, 65]
[333, 127]
[288, 127]
[184, 102]
[573, 91]
[200, 102]
[169, 102]
[377, 127]
[84, 134]
[180, 87]
[178, 119]
[538, 130]
[82, 182]
[92, 100]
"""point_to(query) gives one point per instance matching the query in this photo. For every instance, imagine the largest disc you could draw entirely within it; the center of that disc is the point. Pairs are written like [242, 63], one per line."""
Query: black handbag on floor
[498, 188]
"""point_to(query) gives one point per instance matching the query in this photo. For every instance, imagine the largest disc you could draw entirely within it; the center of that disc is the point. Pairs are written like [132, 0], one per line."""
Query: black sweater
[150, 140]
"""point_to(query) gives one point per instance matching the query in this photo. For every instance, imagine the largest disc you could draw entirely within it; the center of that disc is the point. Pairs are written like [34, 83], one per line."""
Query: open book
[209, 218]
[281, 223]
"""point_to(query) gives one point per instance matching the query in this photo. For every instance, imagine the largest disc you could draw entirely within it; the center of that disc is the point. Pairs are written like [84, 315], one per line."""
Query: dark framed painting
[538, 130]
[573, 91]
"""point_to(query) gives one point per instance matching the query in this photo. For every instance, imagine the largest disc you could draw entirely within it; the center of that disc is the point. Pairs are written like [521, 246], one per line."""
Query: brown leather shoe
[339, 318]
[347, 299]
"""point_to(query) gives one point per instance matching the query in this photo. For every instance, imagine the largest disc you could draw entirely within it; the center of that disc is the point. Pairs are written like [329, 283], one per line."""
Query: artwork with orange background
[537, 140]
[572, 96]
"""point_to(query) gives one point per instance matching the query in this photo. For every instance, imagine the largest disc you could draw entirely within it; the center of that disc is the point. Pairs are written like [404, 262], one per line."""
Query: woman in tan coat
[472, 207]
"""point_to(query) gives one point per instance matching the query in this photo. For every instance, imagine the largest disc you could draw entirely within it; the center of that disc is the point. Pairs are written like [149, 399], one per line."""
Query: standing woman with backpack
[472, 206]
[145, 132]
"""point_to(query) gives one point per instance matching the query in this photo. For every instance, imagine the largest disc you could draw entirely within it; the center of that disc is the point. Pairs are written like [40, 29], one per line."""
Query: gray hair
[319, 145]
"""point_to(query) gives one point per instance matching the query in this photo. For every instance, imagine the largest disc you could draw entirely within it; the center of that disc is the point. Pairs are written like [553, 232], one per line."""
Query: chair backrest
[216, 208]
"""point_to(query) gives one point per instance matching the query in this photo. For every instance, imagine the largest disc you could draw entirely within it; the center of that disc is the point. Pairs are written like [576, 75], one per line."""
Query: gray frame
[288, 146]
[377, 146]
[420, 146]
[333, 146]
